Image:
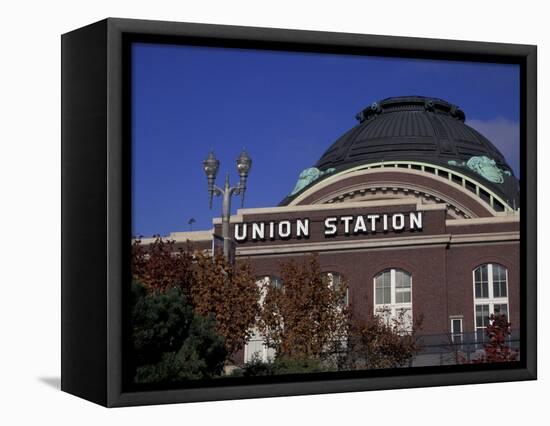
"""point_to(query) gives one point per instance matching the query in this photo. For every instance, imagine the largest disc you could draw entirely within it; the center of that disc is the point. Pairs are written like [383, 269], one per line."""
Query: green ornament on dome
[483, 166]
[308, 176]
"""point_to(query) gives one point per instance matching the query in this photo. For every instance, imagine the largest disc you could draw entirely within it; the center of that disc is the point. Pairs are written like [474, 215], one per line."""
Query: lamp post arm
[226, 193]
[240, 189]
[217, 190]
[236, 190]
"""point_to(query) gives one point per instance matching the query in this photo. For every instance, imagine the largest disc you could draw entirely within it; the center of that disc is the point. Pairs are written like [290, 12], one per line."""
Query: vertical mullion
[507, 294]
[490, 280]
[392, 284]
[474, 297]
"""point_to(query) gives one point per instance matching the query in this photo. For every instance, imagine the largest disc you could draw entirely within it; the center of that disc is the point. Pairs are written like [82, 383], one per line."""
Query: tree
[280, 365]
[161, 265]
[496, 350]
[306, 315]
[214, 286]
[171, 343]
[375, 343]
[228, 292]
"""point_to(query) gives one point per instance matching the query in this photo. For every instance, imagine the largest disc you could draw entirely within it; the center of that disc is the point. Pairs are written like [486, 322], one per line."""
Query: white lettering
[330, 226]
[346, 220]
[302, 228]
[360, 225]
[415, 220]
[373, 218]
[284, 229]
[258, 231]
[242, 235]
[398, 225]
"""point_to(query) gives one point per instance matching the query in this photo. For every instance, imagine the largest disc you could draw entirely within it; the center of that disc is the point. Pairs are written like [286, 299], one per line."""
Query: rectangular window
[501, 308]
[482, 282]
[402, 287]
[385, 314]
[490, 296]
[482, 290]
[456, 330]
[499, 281]
[393, 298]
[482, 321]
[383, 288]
[482, 316]
[335, 281]
[402, 295]
[456, 325]
[499, 289]
[404, 317]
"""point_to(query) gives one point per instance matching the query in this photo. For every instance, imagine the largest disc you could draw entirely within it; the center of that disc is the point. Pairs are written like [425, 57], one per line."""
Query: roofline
[380, 165]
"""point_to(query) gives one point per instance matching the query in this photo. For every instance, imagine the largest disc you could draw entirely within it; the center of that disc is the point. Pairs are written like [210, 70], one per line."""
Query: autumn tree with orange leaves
[214, 286]
[305, 316]
[378, 343]
[230, 293]
[162, 265]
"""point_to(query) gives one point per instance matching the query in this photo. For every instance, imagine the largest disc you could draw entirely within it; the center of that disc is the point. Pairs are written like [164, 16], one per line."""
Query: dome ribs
[417, 128]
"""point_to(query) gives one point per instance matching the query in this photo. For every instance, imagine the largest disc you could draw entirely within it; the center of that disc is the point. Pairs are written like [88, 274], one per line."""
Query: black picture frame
[96, 204]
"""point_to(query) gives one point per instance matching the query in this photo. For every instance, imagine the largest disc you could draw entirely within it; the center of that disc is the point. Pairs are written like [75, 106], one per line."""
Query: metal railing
[433, 349]
[446, 349]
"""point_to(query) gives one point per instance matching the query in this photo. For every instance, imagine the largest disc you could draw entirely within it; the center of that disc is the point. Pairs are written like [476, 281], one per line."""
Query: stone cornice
[378, 243]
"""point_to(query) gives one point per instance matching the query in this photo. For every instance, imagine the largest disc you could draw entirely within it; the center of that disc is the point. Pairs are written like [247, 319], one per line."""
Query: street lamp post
[211, 166]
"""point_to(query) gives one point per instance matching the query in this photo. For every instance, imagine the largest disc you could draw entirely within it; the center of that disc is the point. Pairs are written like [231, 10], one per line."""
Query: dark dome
[417, 128]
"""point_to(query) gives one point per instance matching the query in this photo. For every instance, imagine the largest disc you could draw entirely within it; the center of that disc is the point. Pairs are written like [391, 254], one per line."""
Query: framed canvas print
[253, 212]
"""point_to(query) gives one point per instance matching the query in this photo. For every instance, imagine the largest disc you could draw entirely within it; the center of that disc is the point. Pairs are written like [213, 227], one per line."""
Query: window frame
[393, 306]
[490, 300]
[331, 283]
[266, 353]
[453, 333]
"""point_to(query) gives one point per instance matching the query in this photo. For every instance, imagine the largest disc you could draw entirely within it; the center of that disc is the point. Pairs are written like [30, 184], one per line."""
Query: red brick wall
[462, 260]
[441, 278]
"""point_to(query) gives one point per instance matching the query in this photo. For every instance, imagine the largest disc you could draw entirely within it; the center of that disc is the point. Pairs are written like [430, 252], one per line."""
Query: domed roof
[427, 130]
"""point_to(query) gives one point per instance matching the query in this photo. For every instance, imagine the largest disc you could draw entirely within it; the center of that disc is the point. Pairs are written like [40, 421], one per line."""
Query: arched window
[490, 295]
[335, 281]
[393, 296]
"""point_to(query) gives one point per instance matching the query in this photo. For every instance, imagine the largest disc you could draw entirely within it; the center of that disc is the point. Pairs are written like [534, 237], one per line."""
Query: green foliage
[160, 322]
[171, 343]
[213, 285]
[281, 365]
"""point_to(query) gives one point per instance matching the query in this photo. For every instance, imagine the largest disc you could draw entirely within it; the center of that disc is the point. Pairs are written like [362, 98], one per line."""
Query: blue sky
[286, 109]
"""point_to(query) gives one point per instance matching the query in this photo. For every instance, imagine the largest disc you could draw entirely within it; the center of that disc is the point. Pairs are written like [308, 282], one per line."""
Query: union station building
[417, 210]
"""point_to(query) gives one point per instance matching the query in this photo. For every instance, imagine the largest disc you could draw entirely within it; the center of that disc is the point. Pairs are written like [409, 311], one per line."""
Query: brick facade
[440, 257]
